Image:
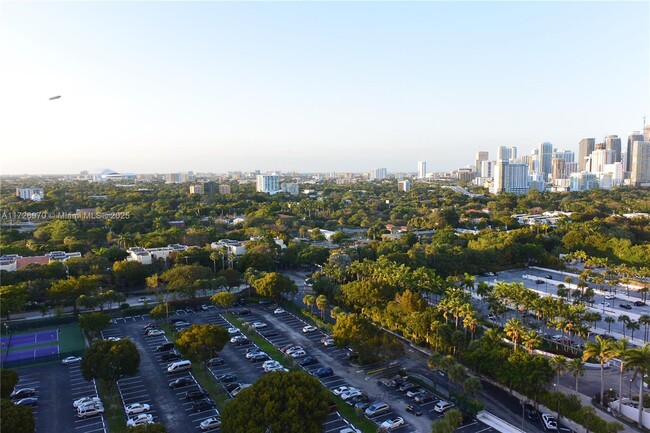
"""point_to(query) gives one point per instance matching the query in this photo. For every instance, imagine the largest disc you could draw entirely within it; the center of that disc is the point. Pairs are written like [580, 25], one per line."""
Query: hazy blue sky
[340, 86]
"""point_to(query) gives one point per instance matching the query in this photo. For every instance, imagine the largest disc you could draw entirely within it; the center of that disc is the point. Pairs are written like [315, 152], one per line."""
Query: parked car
[215, 361]
[28, 401]
[231, 386]
[625, 306]
[210, 423]
[155, 332]
[259, 325]
[141, 419]
[196, 394]
[233, 331]
[278, 311]
[88, 411]
[328, 342]
[225, 378]
[293, 349]
[203, 404]
[298, 354]
[165, 347]
[376, 409]
[341, 389]
[71, 360]
[362, 398]
[549, 421]
[414, 408]
[610, 296]
[22, 393]
[322, 372]
[254, 351]
[639, 303]
[181, 381]
[392, 423]
[531, 412]
[408, 386]
[240, 388]
[171, 356]
[309, 328]
[442, 406]
[269, 333]
[136, 408]
[85, 400]
[415, 391]
[239, 340]
[424, 397]
[260, 357]
[352, 392]
[243, 312]
[308, 360]
[350, 429]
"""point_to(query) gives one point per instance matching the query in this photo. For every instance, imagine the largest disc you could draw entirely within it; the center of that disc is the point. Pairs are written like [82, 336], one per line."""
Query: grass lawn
[114, 412]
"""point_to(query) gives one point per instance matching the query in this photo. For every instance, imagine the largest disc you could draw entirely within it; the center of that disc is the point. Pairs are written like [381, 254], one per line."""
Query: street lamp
[630, 389]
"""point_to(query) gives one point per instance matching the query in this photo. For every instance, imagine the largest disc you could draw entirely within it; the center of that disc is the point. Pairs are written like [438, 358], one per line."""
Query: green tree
[108, 361]
[577, 369]
[274, 285]
[322, 303]
[278, 402]
[183, 278]
[12, 299]
[16, 419]
[94, 323]
[224, 299]
[67, 291]
[161, 311]
[559, 365]
[598, 349]
[8, 381]
[309, 301]
[638, 359]
[514, 329]
[199, 343]
[130, 274]
[619, 349]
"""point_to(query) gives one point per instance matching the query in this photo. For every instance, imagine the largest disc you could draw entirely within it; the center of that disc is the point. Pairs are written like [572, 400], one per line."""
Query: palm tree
[472, 386]
[309, 300]
[639, 360]
[625, 319]
[322, 304]
[513, 329]
[619, 349]
[214, 256]
[644, 320]
[559, 365]
[577, 368]
[632, 325]
[598, 349]
[609, 320]
[531, 340]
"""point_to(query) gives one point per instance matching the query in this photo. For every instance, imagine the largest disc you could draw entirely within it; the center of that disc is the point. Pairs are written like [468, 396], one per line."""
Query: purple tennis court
[31, 338]
[39, 352]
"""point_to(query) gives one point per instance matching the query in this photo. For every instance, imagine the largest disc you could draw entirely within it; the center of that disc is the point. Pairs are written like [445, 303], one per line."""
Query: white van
[178, 366]
[90, 410]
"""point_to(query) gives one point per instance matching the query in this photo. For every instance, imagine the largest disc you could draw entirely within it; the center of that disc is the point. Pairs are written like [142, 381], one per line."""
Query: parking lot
[83, 388]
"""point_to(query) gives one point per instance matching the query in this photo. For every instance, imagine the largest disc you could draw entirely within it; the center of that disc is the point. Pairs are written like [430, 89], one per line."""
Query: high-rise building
[559, 168]
[513, 152]
[486, 168]
[598, 158]
[196, 189]
[583, 181]
[545, 155]
[646, 132]
[224, 189]
[210, 187]
[634, 136]
[585, 148]
[404, 185]
[268, 183]
[613, 142]
[481, 156]
[378, 173]
[35, 194]
[511, 178]
[422, 169]
[640, 169]
[504, 153]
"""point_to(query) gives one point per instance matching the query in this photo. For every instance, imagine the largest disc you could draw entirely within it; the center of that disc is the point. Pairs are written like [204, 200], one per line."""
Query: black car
[175, 321]
[408, 386]
[243, 312]
[362, 405]
[539, 281]
[171, 356]
[639, 303]
[414, 408]
[625, 306]
[204, 404]
[165, 347]
[353, 401]
[424, 397]
[231, 386]
[228, 377]
[29, 401]
[308, 360]
[269, 333]
[215, 361]
[195, 395]
[260, 357]
[22, 393]
[531, 412]
[181, 381]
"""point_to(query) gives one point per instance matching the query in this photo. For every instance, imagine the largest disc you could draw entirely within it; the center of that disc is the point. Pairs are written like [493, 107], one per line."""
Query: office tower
[422, 169]
[511, 178]
[465, 174]
[486, 168]
[545, 156]
[559, 168]
[210, 187]
[566, 155]
[634, 136]
[268, 183]
[613, 142]
[504, 153]
[646, 132]
[404, 185]
[640, 169]
[598, 158]
[583, 181]
[196, 189]
[379, 173]
[585, 148]
[35, 194]
[481, 156]
[513, 152]
[224, 189]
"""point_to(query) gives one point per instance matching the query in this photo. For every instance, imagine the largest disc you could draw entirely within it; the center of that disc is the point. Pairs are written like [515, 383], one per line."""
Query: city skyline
[312, 87]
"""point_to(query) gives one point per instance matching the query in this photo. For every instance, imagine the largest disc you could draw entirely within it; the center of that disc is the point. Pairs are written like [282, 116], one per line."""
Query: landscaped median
[344, 409]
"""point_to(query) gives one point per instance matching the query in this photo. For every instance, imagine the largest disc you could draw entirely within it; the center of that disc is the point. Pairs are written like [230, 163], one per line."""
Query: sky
[157, 87]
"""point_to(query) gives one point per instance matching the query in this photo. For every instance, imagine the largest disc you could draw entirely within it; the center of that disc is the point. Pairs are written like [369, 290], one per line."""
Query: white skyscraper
[511, 178]
[379, 173]
[422, 169]
[640, 169]
[268, 183]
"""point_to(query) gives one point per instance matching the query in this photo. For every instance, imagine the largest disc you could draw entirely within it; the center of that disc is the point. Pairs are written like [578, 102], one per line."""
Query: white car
[135, 408]
[113, 338]
[549, 421]
[240, 388]
[309, 328]
[71, 360]
[392, 423]
[142, 419]
[278, 311]
[298, 354]
[233, 331]
[604, 304]
[293, 349]
[86, 400]
[269, 363]
[610, 297]
[155, 332]
[442, 406]
[277, 368]
[350, 393]
[143, 299]
[210, 423]
[259, 325]
[328, 342]
[341, 389]
[253, 353]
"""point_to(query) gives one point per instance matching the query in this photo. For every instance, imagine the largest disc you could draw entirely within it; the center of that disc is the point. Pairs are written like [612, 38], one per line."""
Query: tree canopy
[8, 380]
[274, 285]
[199, 343]
[16, 419]
[108, 361]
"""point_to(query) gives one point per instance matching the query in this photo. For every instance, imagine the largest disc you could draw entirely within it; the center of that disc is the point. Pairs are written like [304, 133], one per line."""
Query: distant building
[378, 174]
[613, 142]
[583, 181]
[585, 147]
[486, 169]
[268, 183]
[224, 189]
[35, 194]
[464, 174]
[481, 155]
[196, 189]
[404, 185]
[598, 158]
[640, 169]
[422, 170]
[545, 158]
[290, 188]
[511, 178]
[210, 188]
[634, 136]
